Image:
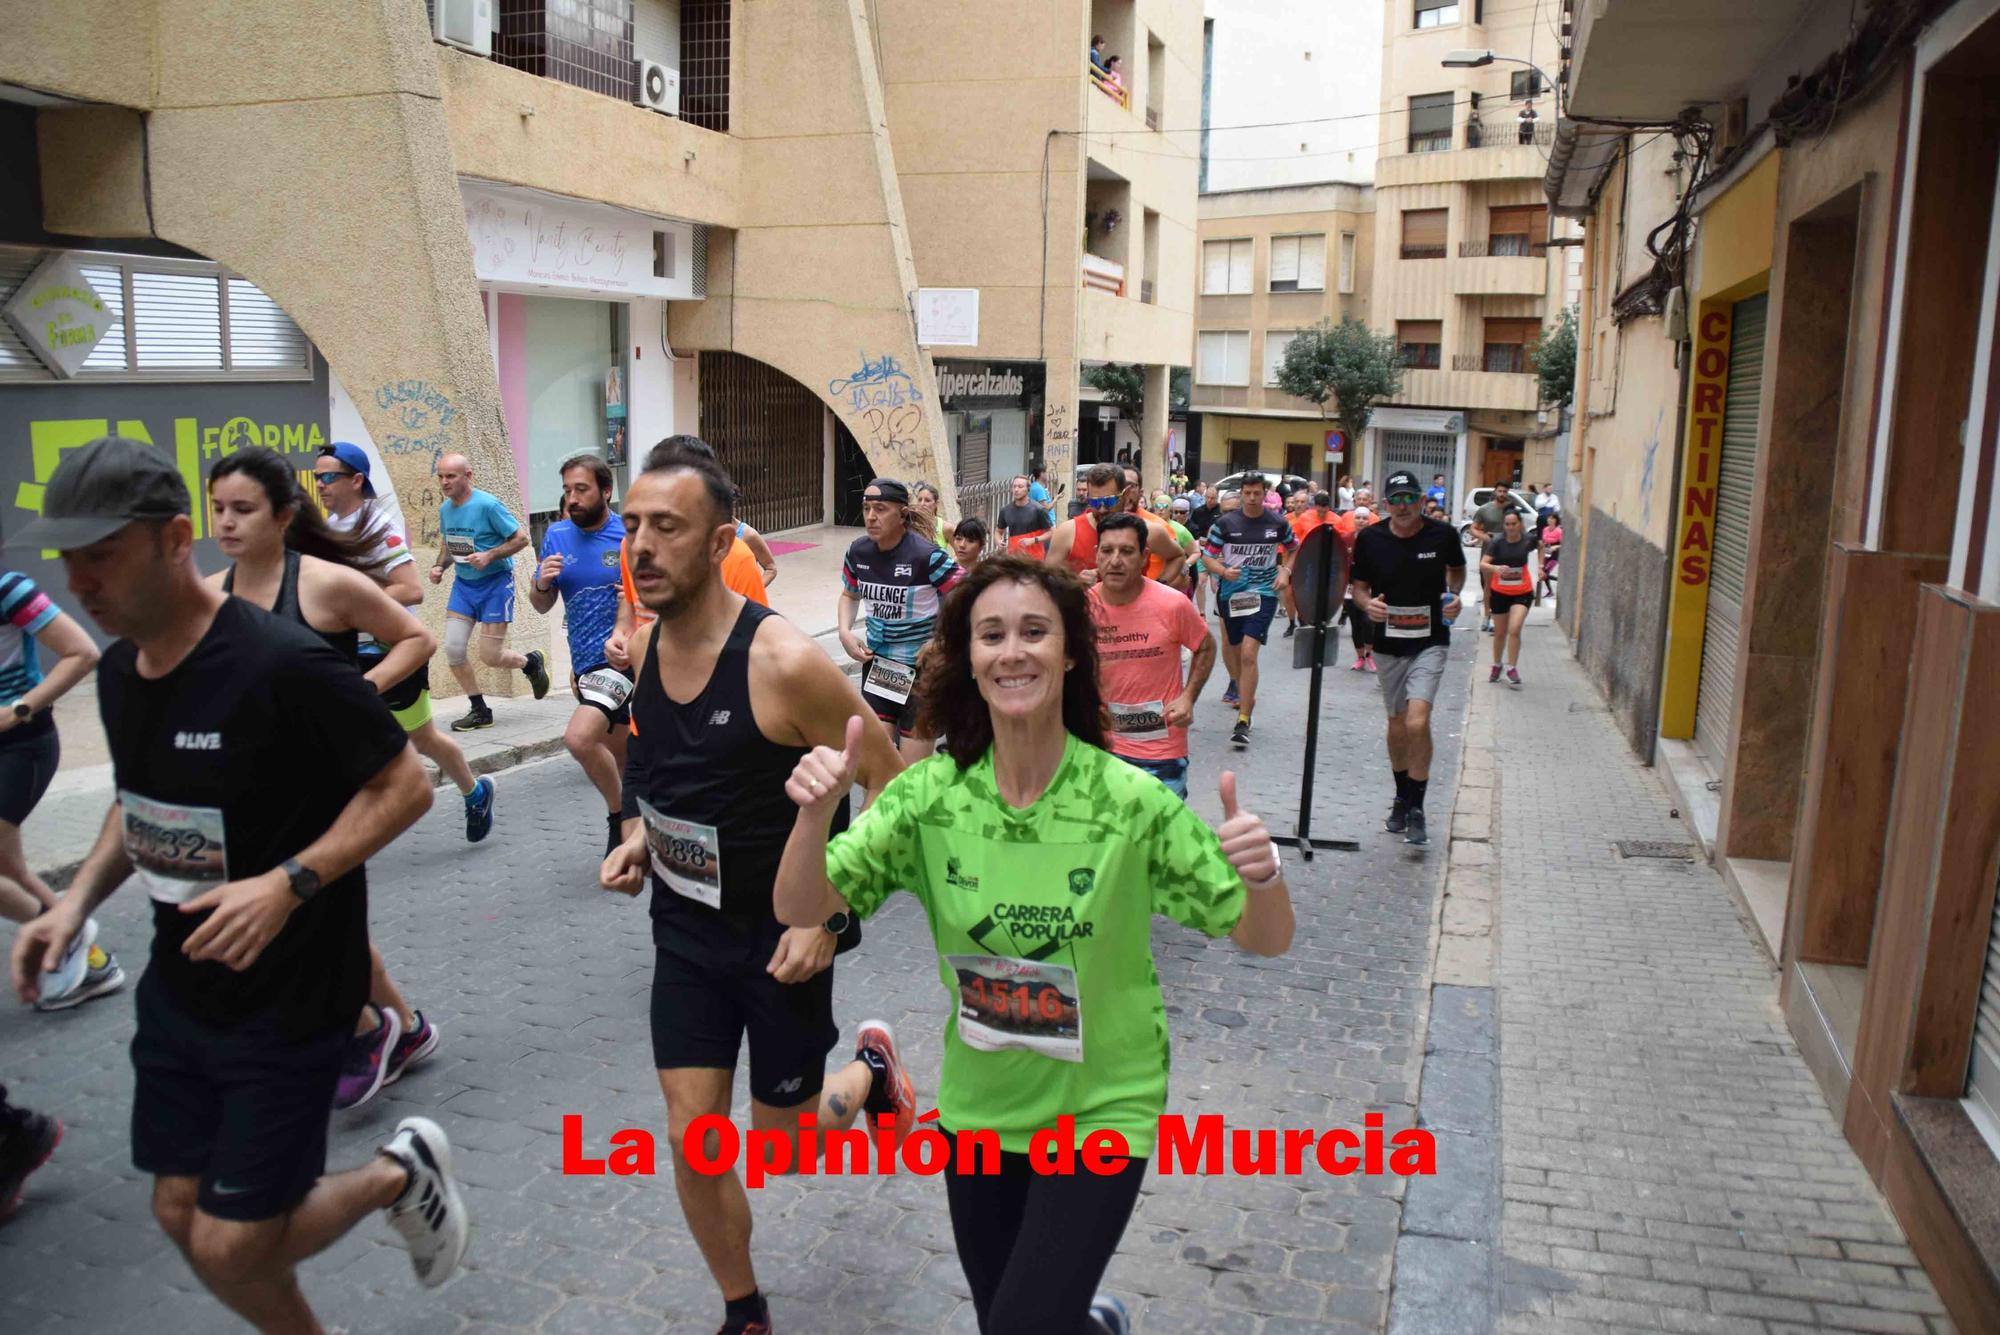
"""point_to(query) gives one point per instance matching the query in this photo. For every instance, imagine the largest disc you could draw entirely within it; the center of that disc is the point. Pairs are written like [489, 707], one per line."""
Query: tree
[1123, 386]
[1555, 360]
[1342, 369]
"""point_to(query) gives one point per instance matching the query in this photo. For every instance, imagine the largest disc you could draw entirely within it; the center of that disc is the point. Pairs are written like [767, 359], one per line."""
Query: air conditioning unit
[466, 24]
[658, 87]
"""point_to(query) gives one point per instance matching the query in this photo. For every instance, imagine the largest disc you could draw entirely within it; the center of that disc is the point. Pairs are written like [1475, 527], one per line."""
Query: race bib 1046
[1408, 623]
[177, 852]
[1145, 722]
[889, 679]
[686, 855]
[605, 687]
[1012, 1003]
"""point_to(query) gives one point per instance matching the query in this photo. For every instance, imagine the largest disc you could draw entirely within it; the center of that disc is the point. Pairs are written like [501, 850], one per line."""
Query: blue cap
[354, 459]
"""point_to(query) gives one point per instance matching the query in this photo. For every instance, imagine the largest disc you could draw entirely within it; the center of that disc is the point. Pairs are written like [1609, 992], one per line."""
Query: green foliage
[1343, 369]
[1124, 386]
[1555, 360]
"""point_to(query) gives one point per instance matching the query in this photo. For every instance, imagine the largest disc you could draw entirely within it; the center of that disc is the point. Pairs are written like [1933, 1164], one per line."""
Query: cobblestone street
[539, 982]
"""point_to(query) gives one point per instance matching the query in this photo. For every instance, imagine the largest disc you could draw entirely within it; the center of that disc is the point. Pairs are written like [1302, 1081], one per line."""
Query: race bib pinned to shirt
[605, 687]
[890, 680]
[177, 852]
[1145, 722]
[1408, 623]
[461, 549]
[1013, 1003]
[686, 855]
[1246, 603]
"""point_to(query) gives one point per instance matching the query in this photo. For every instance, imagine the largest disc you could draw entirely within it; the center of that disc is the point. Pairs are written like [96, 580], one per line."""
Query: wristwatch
[23, 711]
[304, 880]
[838, 923]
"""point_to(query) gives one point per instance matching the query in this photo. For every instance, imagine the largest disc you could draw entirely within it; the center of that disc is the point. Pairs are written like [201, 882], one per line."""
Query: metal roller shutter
[1425, 453]
[1729, 569]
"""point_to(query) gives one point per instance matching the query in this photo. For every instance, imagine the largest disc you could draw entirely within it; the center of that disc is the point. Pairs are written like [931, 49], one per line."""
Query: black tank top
[706, 765]
[347, 643]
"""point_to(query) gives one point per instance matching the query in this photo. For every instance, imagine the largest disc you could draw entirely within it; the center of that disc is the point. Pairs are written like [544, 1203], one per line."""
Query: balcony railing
[1499, 358]
[1499, 129]
[1509, 244]
[1111, 89]
[1104, 275]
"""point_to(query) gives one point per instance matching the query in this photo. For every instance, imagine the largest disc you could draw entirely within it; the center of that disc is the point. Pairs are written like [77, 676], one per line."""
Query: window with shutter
[1430, 123]
[1312, 263]
[1436, 13]
[1507, 345]
[1225, 267]
[1223, 357]
[1284, 264]
[1420, 342]
[1525, 84]
[1518, 230]
[1275, 343]
[1347, 261]
[1239, 266]
[1423, 233]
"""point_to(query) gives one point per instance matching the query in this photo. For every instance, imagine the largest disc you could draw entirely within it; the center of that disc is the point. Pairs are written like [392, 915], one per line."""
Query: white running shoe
[430, 1213]
[67, 976]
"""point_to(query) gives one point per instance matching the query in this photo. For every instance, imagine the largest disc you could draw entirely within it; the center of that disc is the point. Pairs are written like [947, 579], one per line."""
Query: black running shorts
[710, 989]
[1500, 604]
[405, 692]
[244, 1108]
[29, 755]
[607, 690]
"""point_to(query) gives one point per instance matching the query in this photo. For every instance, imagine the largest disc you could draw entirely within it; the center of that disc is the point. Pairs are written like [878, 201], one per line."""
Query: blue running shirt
[588, 583]
[899, 591]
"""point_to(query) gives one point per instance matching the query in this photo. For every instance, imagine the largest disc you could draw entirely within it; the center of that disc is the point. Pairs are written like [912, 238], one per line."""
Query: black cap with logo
[886, 489]
[1402, 483]
[99, 488]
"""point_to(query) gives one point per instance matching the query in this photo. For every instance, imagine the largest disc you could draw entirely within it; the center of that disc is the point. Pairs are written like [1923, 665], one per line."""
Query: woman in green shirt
[1040, 860]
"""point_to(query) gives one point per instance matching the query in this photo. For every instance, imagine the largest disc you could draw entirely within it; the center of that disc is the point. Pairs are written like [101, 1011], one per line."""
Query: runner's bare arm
[1200, 665]
[762, 551]
[40, 943]
[843, 614]
[809, 700]
[1266, 925]
[1160, 540]
[617, 648]
[364, 605]
[76, 658]
[403, 585]
[1365, 599]
[1060, 539]
[801, 896]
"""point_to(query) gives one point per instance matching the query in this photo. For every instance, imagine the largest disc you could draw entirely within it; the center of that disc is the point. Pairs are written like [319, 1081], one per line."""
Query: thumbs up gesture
[1245, 841]
[824, 775]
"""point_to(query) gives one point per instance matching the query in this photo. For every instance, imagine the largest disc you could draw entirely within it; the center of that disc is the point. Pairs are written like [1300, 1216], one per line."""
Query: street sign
[1336, 445]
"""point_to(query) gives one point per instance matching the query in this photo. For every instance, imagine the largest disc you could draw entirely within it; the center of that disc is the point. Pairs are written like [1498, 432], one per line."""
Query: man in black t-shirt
[1022, 523]
[1406, 577]
[256, 770]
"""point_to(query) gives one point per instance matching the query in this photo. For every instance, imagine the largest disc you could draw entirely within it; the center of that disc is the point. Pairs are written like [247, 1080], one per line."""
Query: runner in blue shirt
[894, 578]
[1437, 492]
[480, 539]
[1249, 551]
[580, 564]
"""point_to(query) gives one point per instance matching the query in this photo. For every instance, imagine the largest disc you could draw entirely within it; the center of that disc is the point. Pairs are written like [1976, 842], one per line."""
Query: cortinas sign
[59, 314]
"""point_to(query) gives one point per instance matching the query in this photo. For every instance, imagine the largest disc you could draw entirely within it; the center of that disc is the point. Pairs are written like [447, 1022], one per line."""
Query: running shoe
[68, 974]
[98, 980]
[1358, 665]
[366, 1065]
[1371, 663]
[473, 718]
[24, 1148]
[1291, 628]
[1487, 628]
[1239, 736]
[1494, 675]
[1416, 832]
[430, 1213]
[479, 808]
[756, 1325]
[1399, 817]
[1108, 1315]
[1229, 696]
[1513, 677]
[537, 672]
[892, 1092]
[412, 1048]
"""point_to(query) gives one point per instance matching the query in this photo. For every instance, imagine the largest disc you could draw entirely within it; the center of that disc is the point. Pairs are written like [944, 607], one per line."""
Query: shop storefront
[993, 416]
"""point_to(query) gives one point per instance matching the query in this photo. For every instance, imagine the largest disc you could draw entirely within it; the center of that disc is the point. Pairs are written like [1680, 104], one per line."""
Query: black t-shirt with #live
[1409, 575]
[237, 759]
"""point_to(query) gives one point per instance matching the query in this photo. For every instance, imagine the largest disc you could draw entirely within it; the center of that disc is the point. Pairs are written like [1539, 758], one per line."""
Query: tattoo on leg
[836, 1105]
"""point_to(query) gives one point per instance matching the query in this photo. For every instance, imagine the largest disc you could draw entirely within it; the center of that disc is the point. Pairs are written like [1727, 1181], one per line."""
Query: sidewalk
[1666, 1159]
[65, 824]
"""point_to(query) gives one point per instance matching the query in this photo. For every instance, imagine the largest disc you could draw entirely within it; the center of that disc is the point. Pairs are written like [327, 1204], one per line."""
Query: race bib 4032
[177, 852]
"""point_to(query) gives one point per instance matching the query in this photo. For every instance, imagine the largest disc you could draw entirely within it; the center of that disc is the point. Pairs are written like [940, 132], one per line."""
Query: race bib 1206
[177, 852]
[1408, 623]
[1146, 722]
[1026, 1004]
[889, 679]
[687, 856]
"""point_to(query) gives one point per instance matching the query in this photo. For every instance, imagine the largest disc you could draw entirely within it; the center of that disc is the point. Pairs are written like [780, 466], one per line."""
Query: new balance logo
[788, 1086]
[197, 741]
[718, 718]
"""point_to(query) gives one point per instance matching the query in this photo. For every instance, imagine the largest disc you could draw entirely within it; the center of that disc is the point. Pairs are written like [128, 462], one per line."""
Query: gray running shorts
[1410, 677]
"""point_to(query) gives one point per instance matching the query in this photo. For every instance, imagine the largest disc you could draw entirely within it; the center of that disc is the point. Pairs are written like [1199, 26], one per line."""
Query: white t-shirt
[1347, 498]
[388, 550]
[1546, 500]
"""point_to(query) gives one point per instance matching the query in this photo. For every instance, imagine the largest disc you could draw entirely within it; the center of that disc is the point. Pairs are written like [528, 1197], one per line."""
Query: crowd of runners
[1013, 752]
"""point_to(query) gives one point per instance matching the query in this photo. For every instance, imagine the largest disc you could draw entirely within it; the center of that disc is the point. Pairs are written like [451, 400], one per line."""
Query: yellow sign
[1694, 551]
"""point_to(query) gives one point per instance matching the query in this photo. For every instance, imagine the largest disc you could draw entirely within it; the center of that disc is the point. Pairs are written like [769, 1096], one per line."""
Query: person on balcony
[1527, 124]
[1113, 82]
[1096, 53]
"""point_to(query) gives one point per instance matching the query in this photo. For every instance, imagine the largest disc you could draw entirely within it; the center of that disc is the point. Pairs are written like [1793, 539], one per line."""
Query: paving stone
[1441, 1287]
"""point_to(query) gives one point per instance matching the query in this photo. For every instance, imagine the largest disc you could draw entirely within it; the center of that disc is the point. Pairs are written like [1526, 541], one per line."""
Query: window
[1420, 342]
[1430, 123]
[1518, 230]
[1242, 455]
[1347, 261]
[1436, 13]
[1299, 460]
[1225, 267]
[1508, 343]
[1223, 357]
[1275, 343]
[1525, 84]
[1298, 263]
[1423, 234]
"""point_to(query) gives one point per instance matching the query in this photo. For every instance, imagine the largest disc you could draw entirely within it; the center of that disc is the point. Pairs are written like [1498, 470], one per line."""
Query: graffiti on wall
[881, 402]
[423, 416]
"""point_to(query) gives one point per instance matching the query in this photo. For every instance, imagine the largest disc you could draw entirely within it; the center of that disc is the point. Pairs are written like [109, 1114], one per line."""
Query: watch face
[837, 923]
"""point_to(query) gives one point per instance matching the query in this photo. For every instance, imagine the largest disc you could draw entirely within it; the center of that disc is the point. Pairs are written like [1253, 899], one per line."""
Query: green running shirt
[1042, 919]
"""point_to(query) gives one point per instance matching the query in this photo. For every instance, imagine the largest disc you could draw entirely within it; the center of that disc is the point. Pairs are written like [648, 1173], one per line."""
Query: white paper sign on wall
[59, 314]
[948, 317]
[527, 241]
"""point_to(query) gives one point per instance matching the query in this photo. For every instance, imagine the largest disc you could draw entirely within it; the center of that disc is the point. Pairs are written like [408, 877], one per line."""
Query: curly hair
[950, 705]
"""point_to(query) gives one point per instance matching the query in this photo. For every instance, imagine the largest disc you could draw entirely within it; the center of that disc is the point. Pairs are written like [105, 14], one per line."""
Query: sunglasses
[1404, 498]
[328, 479]
[1100, 502]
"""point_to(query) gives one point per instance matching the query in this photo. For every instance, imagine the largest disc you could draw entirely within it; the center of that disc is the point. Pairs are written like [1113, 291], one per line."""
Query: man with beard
[1108, 491]
[580, 565]
[708, 817]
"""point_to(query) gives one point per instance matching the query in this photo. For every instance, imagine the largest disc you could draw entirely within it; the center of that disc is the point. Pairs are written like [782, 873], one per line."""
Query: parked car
[1282, 484]
[1480, 496]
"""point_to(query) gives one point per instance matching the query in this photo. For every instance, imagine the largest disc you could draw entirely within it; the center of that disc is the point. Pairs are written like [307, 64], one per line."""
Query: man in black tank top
[707, 819]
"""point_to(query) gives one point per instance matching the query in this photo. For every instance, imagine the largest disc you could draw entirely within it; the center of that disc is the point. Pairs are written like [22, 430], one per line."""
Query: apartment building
[835, 238]
[1466, 278]
[1783, 573]
[1273, 261]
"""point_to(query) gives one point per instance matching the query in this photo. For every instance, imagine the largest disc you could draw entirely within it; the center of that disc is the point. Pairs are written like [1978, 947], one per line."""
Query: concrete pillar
[1153, 430]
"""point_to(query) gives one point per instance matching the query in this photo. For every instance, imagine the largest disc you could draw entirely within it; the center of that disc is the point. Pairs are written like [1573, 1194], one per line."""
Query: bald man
[479, 538]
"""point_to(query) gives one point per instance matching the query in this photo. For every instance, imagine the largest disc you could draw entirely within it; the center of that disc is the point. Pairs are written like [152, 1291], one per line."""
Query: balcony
[1474, 388]
[1642, 60]
[1510, 271]
[1103, 275]
[1114, 90]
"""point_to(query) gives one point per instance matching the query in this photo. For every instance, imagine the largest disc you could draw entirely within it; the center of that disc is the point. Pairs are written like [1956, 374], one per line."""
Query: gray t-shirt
[1490, 516]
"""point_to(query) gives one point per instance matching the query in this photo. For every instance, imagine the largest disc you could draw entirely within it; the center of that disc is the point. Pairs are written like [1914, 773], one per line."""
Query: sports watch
[23, 711]
[838, 923]
[304, 880]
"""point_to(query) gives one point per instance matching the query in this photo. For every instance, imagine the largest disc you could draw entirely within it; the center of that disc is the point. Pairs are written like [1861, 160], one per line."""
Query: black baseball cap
[99, 488]
[1402, 482]
[886, 489]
